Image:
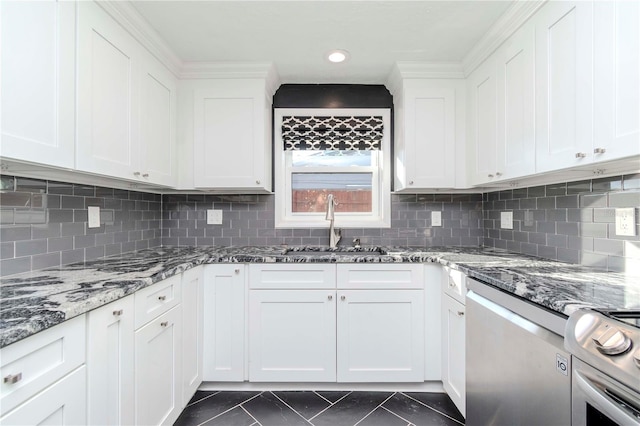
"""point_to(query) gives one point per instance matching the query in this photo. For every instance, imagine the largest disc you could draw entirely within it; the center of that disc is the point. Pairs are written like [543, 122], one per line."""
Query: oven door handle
[616, 411]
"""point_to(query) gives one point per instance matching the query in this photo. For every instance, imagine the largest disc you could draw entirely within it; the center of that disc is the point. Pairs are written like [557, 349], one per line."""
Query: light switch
[436, 218]
[214, 217]
[626, 222]
[93, 212]
[506, 220]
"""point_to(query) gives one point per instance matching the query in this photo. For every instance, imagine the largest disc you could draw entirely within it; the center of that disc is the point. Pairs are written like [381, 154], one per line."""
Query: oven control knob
[612, 341]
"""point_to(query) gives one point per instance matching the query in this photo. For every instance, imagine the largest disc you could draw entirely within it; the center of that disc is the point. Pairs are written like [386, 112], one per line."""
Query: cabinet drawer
[157, 299]
[381, 276]
[39, 360]
[292, 276]
[454, 284]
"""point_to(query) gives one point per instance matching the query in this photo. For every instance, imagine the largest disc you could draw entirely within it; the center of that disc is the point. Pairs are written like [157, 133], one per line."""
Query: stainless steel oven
[606, 368]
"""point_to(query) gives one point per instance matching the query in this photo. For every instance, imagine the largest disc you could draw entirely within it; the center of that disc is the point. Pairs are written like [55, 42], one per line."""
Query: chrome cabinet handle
[498, 174]
[330, 297]
[237, 270]
[164, 323]
[489, 175]
[460, 313]
[136, 174]
[117, 313]
[343, 298]
[146, 175]
[13, 378]
[257, 182]
[162, 298]
[599, 151]
[580, 155]
[410, 182]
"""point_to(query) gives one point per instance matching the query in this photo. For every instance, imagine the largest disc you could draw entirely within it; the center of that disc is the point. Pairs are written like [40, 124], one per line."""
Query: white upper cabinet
[482, 92]
[37, 82]
[426, 135]
[501, 114]
[126, 104]
[158, 123]
[617, 80]
[232, 135]
[515, 142]
[564, 85]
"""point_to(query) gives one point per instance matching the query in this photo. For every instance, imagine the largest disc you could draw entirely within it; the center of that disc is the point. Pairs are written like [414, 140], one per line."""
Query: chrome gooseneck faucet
[334, 234]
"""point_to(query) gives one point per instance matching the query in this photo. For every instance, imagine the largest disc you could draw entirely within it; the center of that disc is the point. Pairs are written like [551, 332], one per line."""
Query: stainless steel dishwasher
[518, 372]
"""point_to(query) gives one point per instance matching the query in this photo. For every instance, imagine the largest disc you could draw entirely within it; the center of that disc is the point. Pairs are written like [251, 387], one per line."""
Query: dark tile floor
[281, 408]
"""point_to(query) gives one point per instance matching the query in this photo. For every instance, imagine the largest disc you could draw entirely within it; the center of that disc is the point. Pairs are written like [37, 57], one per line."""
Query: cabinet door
[516, 105]
[108, 98]
[157, 364]
[380, 336]
[63, 403]
[564, 85]
[482, 120]
[192, 325]
[430, 138]
[292, 336]
[110, 358]
[224, 323]
[157, 123]
[38, 81]
[617, 80]
[453, 351]
[231, 145]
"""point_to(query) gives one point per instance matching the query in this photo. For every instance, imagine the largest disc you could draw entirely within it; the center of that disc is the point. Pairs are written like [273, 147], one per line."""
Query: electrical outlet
[93, 213]
[214, 217]
[436, 218]
[506, 220]
[626, 222]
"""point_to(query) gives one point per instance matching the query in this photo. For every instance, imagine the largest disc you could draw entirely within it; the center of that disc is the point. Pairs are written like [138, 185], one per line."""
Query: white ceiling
[295, 34]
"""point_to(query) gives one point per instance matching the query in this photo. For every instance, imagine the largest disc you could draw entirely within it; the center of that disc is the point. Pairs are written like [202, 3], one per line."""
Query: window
[344, 152]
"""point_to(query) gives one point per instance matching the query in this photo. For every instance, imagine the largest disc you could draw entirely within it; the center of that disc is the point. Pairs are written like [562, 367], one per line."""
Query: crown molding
[126, 15]
[236, 70]
[422, 70]
[517, 14]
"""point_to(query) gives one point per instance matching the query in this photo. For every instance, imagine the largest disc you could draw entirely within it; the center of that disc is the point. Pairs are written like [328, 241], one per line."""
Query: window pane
[352, 191]
[331, 158]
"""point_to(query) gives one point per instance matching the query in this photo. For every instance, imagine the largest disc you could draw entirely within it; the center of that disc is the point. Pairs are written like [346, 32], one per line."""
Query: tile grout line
[226, 411]
[316, 392]
[379, 405]
[398, 416]
[431, 408]
[331, 405]
[290, 407]
[202, 399]
[250, 415]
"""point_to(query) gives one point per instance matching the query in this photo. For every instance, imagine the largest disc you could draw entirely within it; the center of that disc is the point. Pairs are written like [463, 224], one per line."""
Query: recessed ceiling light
[337, 56]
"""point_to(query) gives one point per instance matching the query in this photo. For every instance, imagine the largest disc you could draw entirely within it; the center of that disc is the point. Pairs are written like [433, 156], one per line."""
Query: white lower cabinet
[224, 323]
[110, 362]
[192, 335]
[157, 365]
[380, 336]
[63, 403]
[345, 323]
[292, 336]
[453, 339]
[44, 378]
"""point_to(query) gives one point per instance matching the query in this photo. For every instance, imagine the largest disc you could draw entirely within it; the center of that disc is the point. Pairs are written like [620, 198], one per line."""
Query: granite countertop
[34, 301]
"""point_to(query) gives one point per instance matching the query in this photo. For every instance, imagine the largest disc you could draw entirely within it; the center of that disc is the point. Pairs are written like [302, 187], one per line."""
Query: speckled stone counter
[34, 301]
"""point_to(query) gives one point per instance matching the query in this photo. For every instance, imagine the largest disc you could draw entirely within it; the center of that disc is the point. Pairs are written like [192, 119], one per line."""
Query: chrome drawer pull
[162, 298]
[117, 313]
[580, 155]
[460, 313]
[164, 323]
[13, 378]
[330, 297]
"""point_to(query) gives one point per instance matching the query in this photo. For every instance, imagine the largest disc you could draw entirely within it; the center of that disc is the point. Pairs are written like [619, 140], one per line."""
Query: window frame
[380, 217]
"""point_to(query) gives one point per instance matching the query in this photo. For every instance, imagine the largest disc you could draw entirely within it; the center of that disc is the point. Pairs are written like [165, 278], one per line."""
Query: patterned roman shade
[331, 133]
